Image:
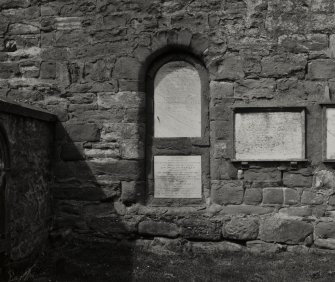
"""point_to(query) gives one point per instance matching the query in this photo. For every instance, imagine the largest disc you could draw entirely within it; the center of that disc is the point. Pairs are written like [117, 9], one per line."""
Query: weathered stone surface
[324, 179]
[296, 180]
[246, 210]
[321, 69]
[297, 43]
[264, 174]
[219, 90]
[132, 191]
[230, 67]
[291, 196]
[259, 247]
[311, 198]
[155, 228]
[111, 225]
[324, 230]
[200, 229]
[325, 243]
[253, 196]
[240, 229]
[127, 67]
[273, 196]
[252, 88]
[215, 247]
[227, 192]
[282, 65]
[83, 132]
[273, 229]
[296, 211]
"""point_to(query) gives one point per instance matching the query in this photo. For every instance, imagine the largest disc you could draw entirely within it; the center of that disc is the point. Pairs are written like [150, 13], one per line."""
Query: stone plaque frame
[262, 110]
[177, 146]
[325, 107]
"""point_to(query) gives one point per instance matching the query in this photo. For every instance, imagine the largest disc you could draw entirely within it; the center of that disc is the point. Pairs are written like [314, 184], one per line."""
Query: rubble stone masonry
[86, 61]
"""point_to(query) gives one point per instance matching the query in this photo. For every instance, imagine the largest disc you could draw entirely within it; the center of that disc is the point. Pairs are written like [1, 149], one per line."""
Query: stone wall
[86, 62]
[29, 133]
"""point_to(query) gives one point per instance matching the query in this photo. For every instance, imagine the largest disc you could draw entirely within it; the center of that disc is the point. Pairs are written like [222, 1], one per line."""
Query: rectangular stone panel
[330, 133]
[264, 135]
[177, 101]
[177, 176]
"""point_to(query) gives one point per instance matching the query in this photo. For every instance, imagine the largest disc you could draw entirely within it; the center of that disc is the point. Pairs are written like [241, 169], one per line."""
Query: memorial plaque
[270, 135]
[330, 137]
[177, 101]
[177, 176]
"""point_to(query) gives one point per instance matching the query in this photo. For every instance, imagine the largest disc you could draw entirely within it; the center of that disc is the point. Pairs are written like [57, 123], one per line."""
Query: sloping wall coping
[21, 109]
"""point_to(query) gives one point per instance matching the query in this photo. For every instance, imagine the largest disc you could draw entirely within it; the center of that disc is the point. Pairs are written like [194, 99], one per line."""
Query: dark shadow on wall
[90, 240]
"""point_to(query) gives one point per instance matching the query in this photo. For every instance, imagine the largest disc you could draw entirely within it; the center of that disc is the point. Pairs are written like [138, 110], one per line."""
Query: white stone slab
[177, 101]
[177, 176]
[270, 135]
[330, 138]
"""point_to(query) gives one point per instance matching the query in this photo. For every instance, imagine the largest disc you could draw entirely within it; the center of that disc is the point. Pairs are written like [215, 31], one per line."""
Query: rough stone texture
[291, 196]
[311, 198]
[273, 196]
[241, 229]
[158, 228]
[253, 196]
[296, 180]
[227, 192]
[28, 183]
[85, 61]
[201, 229]
[324, 230]
[287, 231]
[325, 243]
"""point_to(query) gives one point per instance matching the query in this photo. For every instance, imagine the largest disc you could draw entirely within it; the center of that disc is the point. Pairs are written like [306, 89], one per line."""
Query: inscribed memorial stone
[330, 146]
[177, 176]
[269, 135]
[177, 101]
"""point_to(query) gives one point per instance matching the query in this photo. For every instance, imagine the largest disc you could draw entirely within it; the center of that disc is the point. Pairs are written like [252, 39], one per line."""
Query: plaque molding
[238, 110]
[325, 107]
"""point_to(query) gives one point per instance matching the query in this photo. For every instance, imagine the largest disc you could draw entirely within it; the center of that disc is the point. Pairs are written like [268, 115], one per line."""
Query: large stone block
[111, 225]
[83, 132]
[296, 211]
[241, 229]
[273, 196]
[9, 70]
[221, 90]
[132, 191]
[325, 230]
[246, 210]
[227, 192]
[231, 67]
[324, 179]
[283, 64]
[255, 88]
[321, 69]
[325, 243]
[262, 174]
[157, 228]
[253, 196]
[311, 198]
[291, 196]
[48, 70]
[127, 67]
[201, 229]
[297, 180]
[297, 43]
[273, 229]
